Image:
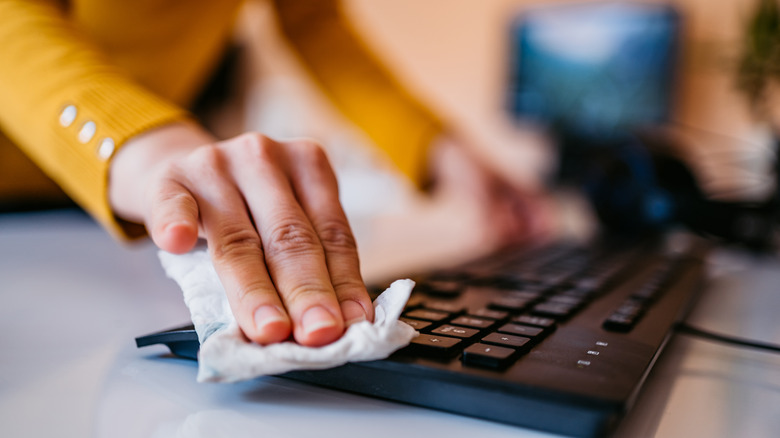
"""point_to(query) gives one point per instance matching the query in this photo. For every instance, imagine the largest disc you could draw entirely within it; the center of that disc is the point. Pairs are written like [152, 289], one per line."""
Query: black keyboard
[559, 338]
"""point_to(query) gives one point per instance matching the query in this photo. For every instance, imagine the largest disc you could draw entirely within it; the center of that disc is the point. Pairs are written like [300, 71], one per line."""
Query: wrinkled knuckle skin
[237, 242]
[208, 160]
[291, 238]
[336, 236]
[257, 148]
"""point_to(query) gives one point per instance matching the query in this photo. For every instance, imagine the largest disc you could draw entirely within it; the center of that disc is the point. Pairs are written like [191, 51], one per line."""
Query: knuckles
[256, 148]
[291, 237]
[335, 235]
[246, 149]
[208, 161]
[237, 242]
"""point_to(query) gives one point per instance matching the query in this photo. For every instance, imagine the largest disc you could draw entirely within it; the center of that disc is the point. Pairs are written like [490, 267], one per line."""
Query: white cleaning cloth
[227, 356]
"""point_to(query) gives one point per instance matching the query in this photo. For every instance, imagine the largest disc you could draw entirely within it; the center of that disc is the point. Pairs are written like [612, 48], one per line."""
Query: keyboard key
[489, 356]
[566, 299]
[446, 289]
[553, 310]
[505, 340]
[538, 321]
[444, 306]
[460, 332]
[415, 323]
[519, 282]
[429, 345]
[630, 308]
[473, 322]
[489, 313]
[576, 292]
[525, 294]
[556, 278]
[523, 282]
[592, 283]
[427, 315]
[510, 304]
[415, 301]
[522, 330]
[619, 323]
[597, 279]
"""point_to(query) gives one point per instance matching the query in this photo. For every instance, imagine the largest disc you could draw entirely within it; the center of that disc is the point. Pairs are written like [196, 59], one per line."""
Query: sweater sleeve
[360, 86]
[66, 106]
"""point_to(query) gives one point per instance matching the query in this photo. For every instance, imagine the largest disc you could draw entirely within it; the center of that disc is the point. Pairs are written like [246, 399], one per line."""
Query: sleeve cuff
[91, 127]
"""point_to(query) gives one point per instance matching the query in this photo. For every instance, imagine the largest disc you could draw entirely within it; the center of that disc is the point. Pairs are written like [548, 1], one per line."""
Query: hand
[502, 213]
[470, 212]
[270, 214]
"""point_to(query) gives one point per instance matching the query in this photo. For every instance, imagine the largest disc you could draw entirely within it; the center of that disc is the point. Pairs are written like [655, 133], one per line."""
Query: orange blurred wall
[453, 52]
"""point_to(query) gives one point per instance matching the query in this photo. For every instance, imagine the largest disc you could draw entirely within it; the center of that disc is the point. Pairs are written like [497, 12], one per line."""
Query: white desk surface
[73, 301]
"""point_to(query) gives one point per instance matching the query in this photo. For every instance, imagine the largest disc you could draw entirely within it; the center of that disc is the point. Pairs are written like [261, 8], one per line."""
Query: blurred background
[673, 99]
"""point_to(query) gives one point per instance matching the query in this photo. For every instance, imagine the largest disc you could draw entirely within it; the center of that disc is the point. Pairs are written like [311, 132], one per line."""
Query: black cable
[687, 329]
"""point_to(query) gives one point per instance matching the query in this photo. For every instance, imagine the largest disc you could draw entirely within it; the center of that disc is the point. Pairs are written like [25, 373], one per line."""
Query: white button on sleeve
[87, 131]
[106, 149]
[68, 115]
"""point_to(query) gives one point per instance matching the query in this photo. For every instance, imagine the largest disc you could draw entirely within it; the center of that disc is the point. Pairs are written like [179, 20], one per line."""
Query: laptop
[559, 337]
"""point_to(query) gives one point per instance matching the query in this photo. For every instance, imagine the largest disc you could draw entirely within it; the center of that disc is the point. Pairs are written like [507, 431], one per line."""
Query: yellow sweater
[79, 78]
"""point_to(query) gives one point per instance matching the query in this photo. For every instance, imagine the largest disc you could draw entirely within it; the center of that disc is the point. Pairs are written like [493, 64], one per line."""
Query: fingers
[236, 250]
[233, 242]
[294, 254]
[277, 234]
[317, 189]
[173, 217]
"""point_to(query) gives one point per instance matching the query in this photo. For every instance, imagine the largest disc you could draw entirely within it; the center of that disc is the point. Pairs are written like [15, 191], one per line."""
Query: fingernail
[267, 315]
[317, 318]
[353, 312]
[184, 226]
[174, 224]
